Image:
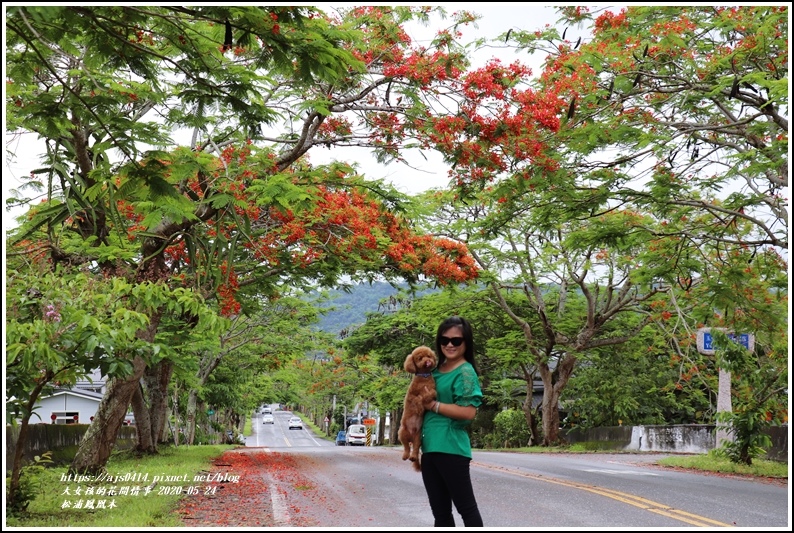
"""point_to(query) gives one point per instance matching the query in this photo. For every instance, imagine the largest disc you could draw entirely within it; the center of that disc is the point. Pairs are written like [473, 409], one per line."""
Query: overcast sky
[497, 18]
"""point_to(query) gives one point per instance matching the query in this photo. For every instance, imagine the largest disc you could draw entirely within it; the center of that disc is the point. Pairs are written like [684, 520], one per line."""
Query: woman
[446, 449]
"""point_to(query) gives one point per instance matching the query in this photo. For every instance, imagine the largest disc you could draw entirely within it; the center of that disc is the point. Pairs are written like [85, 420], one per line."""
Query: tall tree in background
[648, 158]
[239, 211]
[682, 113]
[692, 105]
[566, 285]
[682, 110]
[265, 340]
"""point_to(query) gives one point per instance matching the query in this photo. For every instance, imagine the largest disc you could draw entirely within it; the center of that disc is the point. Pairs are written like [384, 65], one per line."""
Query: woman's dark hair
[468, 338]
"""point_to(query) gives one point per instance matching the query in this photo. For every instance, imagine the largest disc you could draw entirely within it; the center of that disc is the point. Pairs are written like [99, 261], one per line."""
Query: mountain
[351, 308]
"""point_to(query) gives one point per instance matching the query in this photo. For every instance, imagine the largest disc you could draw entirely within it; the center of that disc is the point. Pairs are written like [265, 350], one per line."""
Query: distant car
[266, 410]
[356, 435]
[267, 419]
[340, 438]
[295, 423]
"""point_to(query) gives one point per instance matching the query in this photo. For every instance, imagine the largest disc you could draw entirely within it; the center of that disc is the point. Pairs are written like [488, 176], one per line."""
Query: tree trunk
[551, 397]
[395, 426]
[192, 405]
[15, 501]
[98, 441]
[533, 427]
[206, 366]
[143, 431]
[174, 412]
[392, 426]
[551, 417]
[381, 430]
[157, 379]
[97, 444]
[529, 414]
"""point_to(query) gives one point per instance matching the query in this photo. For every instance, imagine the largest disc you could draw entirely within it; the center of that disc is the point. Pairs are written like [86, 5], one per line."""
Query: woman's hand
[451, 410]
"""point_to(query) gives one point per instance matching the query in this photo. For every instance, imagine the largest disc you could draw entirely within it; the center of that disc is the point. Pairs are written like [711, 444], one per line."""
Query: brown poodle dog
[422, 389]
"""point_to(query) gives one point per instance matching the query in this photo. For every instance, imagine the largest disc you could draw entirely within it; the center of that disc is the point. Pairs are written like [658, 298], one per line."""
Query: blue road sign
[742, 338]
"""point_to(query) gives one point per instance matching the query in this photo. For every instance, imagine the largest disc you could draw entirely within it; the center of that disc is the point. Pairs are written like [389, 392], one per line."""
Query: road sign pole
[369, 424]
[723, 406]
[705, 345]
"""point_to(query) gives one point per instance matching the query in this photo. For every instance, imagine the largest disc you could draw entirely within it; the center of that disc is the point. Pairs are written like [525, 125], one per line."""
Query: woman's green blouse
[443, 434]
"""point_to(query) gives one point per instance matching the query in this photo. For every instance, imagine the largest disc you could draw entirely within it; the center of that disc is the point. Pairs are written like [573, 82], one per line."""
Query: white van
[356, 435]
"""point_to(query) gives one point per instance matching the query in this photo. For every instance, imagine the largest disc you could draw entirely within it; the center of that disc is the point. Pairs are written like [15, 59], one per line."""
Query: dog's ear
[409, 364]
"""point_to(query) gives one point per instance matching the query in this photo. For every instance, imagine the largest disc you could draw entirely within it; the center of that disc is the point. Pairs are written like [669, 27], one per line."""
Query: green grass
[714, 462]
[153, 510]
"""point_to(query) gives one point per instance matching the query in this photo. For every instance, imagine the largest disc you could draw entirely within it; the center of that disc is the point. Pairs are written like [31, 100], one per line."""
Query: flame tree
[238, 211]
[647, 157]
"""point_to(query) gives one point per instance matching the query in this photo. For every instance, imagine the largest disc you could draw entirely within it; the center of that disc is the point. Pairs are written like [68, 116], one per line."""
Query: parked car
[295, 423]
[356, 435]
[340, 439]
[267, 419]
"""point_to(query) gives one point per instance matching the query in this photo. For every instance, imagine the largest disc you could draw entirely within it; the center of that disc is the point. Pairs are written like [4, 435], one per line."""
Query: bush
[29, 484]
[510, 430]
[757, 399]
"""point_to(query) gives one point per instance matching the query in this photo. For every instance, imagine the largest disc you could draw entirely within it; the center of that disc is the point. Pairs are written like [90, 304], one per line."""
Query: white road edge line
[281, 515]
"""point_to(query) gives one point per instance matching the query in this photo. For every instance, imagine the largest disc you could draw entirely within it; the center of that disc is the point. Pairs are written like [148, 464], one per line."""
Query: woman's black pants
[447, 481]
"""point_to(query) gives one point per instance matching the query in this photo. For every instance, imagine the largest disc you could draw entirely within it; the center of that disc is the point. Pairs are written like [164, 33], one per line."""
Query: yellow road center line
[630, 499]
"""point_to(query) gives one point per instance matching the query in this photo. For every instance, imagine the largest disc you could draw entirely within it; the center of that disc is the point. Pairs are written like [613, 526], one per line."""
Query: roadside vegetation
[50, 491]
[717, 461]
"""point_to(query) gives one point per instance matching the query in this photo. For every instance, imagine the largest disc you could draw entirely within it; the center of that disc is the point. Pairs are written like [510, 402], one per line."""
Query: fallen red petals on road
[246, 502]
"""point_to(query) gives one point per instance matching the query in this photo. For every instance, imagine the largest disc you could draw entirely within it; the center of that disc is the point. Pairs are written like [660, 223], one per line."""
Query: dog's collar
[424, 375]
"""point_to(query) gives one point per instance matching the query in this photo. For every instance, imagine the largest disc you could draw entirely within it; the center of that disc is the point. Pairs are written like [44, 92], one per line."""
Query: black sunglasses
[456, 341]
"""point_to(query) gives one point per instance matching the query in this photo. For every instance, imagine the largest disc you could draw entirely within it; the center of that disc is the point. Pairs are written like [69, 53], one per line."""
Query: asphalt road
[349, 487]
[278, 434]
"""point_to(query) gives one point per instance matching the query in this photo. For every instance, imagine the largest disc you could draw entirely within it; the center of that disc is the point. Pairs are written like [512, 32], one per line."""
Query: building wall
[84, 407]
